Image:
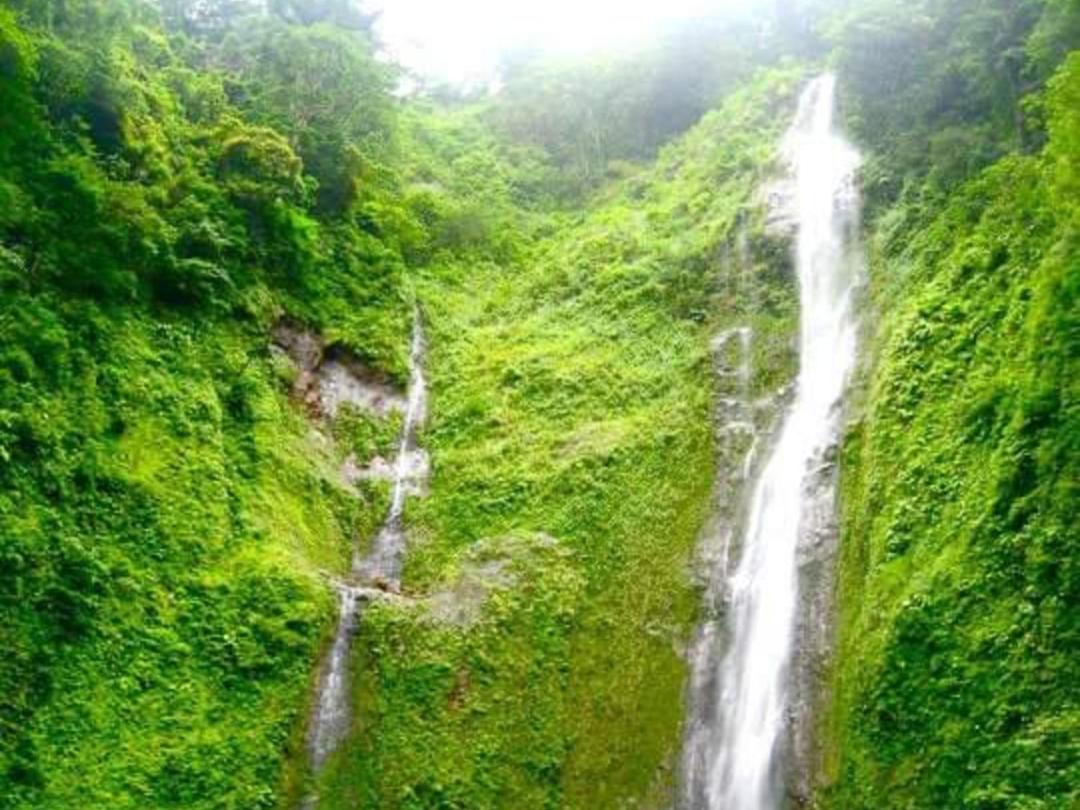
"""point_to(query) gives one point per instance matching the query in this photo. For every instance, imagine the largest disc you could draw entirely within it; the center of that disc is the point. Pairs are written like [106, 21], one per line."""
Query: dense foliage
[163, 510]
[177, 178]
[955, 679]
[940, 90]
[592, 115]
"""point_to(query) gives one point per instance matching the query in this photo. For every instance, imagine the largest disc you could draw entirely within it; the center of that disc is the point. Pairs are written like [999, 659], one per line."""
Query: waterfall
[378, 571]
[330, 718]
[382, 566]
[737, 764]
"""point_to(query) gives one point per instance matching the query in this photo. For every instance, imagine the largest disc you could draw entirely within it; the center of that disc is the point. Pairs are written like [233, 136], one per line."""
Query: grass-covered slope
[955, 682]
[539, 664]
[161, 612]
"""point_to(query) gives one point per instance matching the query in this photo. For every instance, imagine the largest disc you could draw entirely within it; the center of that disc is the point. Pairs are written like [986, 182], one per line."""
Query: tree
[210, 19]
[322, 86]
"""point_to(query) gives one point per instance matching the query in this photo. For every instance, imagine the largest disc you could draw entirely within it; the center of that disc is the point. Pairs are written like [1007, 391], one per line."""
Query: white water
[379, 570]
[753, 681]
[330, 719]
[382, 566]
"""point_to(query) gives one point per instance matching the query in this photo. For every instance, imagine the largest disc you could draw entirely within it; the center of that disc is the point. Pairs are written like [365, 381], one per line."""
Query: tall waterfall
[738, 762]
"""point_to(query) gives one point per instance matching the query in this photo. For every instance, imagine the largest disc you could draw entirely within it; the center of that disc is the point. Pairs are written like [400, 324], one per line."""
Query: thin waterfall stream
[372, 575]
[745, 694]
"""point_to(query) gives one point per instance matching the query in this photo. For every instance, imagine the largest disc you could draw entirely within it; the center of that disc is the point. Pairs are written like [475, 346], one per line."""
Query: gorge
[685, 418]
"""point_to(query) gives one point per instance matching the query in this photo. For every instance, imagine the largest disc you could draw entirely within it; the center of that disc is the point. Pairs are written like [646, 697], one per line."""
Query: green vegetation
[955, 679]
[175, 186]
[164, 510]
[571, 406]
[177, 178]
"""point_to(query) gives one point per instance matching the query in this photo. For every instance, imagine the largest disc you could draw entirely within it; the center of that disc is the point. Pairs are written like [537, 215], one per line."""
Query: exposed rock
[329, 377]
[413, 467]
[778, 200]
[345, 381]
[378, 469]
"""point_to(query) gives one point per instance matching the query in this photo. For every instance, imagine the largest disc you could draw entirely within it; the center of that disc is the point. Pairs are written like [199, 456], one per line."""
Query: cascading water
[378, 571]
[330, 719]
[382, 566]
[736, 763]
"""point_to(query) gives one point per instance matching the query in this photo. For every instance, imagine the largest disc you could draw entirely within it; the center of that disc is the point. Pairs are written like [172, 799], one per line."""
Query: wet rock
[341, 380]
[378, 469]
[778, 200]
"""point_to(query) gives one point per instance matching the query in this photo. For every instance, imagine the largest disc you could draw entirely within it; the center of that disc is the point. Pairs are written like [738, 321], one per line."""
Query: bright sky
[461, 40]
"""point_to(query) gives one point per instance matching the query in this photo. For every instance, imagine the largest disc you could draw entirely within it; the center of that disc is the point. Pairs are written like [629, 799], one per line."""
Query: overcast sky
[461, 40]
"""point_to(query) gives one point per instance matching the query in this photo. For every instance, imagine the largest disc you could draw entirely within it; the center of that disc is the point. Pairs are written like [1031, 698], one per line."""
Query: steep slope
[955, 678]
[194, 226]
[209, 210]
[540, 662]
[165, 506]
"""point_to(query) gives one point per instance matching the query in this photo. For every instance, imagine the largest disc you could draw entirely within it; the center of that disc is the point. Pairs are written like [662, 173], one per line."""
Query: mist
[466, 42]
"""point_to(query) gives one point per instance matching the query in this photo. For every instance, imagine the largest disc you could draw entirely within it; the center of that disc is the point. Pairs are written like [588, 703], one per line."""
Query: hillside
[955, 671]
[221, 226]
